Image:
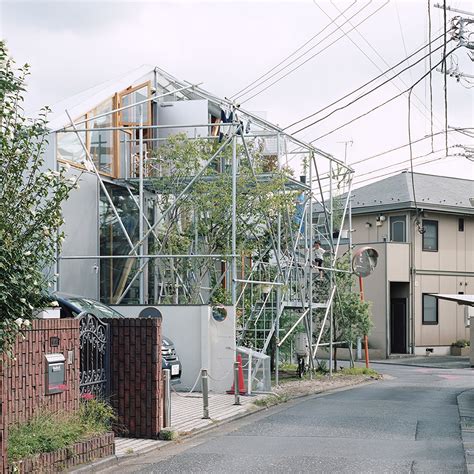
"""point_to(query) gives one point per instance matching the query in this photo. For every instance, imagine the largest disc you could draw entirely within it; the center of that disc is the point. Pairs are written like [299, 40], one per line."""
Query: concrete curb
[115, 460]
[466, 415]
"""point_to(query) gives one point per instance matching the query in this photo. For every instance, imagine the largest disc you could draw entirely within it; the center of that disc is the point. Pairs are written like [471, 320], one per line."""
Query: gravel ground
[297, 388]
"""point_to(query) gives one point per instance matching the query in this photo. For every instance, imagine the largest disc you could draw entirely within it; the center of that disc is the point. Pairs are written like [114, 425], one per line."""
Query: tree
[30, 207]
[351, 315]
[200, 222]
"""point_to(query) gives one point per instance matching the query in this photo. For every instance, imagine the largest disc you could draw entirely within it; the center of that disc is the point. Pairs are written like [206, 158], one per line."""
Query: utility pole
[462, 33]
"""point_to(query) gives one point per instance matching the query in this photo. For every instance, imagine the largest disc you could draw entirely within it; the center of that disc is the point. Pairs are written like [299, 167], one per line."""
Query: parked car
[72, 306]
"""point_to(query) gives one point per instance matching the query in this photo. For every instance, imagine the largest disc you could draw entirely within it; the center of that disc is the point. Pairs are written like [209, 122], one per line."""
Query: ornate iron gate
[94, 356]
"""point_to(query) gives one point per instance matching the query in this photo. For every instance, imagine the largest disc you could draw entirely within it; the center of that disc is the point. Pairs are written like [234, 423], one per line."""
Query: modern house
[425, 243]
[136, 236]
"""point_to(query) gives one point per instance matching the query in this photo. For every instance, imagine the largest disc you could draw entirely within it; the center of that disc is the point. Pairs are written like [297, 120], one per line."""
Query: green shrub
[47, 431]
[461, 343]
[358, 371]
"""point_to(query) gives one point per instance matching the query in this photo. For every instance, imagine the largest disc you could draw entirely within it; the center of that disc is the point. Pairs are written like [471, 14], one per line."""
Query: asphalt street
[408, 423]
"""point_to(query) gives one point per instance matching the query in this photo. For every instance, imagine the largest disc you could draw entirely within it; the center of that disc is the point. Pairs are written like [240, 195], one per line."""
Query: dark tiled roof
[432, 192]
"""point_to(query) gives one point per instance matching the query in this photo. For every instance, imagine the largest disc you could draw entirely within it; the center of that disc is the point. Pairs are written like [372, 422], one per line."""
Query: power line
[313, 56]
[363, 85]
[386, 152]
[401, 33]
[431, 73]
[445, 76]
[402, 169]
[381, 57]
[380, 105]
[292, 54]
[365, 94]
[298, 58]
[357, 181]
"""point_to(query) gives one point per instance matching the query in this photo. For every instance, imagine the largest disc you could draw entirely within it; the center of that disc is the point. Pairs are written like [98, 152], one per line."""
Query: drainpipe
[412, 278]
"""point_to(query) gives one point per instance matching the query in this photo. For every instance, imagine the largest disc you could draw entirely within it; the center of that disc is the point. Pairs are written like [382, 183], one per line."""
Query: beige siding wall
[375, 291]
[398, 262]
[455, 254]
[455, 249]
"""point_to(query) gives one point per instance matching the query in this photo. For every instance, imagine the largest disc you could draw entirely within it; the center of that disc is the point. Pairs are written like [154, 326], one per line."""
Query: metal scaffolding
[275, 290]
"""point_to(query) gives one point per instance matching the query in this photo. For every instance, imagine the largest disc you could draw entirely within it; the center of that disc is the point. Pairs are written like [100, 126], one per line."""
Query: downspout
[387, 305]
[412, 284]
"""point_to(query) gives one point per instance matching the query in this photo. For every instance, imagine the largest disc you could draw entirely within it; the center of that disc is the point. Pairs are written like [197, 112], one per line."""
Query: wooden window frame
[115, 164]
[429, 323]
[130, 90]
[85, 125]
[429, 221]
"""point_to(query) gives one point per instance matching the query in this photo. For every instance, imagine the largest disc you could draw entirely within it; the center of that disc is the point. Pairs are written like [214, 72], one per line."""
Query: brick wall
[24, 378]
[58, 461]
[136, 375]
[22, 381]
[3, 432]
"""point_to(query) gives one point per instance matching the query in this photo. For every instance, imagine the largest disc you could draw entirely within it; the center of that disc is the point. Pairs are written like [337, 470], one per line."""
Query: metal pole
[310, 267]
[167, 398]
[278, 295]
[366, 338]
[236, 384]
[249, 376]
[277, 323]
[141, 211]
[331, 230]
[205, 394]
[234, 220]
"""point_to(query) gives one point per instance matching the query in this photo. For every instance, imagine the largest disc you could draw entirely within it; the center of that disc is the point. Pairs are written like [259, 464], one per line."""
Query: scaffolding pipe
[331, 237]
[105, 114]
[141, 199]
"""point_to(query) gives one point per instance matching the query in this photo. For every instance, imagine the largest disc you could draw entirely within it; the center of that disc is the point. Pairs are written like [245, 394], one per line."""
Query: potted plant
[460, 348]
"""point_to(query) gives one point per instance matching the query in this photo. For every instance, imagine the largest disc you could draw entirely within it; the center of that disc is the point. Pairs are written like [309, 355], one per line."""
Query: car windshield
[98, 309]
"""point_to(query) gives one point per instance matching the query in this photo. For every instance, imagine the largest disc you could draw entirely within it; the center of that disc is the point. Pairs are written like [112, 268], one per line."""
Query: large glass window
[131, 116]
[398, 229]
[102, 141]
[430, 309]
[430, 236]
[116, 274]
[69, 147]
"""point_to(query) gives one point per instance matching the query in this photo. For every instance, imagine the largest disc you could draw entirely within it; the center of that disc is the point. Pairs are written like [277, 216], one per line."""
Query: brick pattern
[3, 431]
[23, 383]
[62, 459]
[136, 375]
[24, 378]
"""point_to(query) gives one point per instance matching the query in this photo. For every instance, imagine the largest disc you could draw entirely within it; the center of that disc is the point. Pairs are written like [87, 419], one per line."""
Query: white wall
[200, 341]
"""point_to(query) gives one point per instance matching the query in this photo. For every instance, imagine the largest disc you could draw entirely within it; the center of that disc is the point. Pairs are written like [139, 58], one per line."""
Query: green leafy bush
[30, 207]
[461, 343]
[359, 371]
[47, 431]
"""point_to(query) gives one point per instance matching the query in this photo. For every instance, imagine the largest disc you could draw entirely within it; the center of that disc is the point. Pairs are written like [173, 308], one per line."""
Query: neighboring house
[436, 256]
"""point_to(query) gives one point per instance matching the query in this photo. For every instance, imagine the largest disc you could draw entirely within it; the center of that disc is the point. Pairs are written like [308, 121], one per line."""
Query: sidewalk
[186, 410]
[186, 418]
[435, 362]
[466, 414]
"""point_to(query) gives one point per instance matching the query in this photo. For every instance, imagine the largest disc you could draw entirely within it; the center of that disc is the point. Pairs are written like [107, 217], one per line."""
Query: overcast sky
[73, 45]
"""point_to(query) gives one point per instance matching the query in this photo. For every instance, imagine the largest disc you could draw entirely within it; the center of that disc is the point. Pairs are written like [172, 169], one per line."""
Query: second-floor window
[430, 236]
[430, 309]
[398, 229]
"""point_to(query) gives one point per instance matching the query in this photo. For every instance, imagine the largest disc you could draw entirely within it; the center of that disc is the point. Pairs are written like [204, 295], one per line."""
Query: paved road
[409, 423]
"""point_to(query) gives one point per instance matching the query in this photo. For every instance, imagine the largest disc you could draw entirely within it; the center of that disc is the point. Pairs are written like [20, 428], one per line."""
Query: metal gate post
[167, 398]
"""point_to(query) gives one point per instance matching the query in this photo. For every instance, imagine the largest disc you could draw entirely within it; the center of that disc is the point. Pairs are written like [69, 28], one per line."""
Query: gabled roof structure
[440, 193]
